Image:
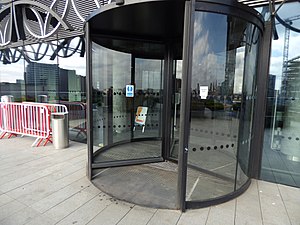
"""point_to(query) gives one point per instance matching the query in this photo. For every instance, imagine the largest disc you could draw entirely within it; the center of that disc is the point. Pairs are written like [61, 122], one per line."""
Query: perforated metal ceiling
[257, 3]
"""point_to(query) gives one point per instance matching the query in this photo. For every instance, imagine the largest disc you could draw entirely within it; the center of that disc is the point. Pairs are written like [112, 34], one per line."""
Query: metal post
[167, 100]
[132, 114]
[188, 36]
[261, 101]
[89, 95]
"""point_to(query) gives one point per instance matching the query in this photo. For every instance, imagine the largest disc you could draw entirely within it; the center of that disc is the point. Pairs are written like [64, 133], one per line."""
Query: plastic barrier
[52, 108]
[10, 114]
[25, 119]
[29, 119]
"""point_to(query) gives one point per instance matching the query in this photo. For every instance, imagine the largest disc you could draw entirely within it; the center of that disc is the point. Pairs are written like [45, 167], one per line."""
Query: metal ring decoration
[67, 51]
[31, 53]
[6, 28]
[36, 52]
[44, 26]
[10, 56]
[17, 16]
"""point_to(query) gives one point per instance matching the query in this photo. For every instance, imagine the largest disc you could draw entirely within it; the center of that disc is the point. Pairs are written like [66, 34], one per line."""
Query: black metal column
[188, 36]
[167, 102]
[89, 96]
[132, 110]
[261, 101]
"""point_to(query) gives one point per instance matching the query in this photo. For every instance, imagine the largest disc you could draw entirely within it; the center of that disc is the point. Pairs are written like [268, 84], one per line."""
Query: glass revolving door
[130, 123]
[127, 107]
[173, 105]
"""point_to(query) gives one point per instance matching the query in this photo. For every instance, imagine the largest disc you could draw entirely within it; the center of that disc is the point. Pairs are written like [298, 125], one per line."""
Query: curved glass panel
[127, 104]
[223, 89]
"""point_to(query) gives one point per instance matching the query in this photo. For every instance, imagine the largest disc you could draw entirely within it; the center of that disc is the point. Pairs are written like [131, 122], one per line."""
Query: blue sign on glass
[130, 90]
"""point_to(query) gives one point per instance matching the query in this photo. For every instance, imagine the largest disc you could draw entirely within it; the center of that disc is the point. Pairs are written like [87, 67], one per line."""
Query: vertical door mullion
[132, 80]
[89, 113]
[167, 101]
[188, 37]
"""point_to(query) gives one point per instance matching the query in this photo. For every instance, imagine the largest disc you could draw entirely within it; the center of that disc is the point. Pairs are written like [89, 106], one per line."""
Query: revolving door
[171, 100]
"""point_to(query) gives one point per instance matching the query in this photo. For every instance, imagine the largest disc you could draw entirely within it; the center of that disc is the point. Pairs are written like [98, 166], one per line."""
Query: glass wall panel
[72, 86]
[175, 117]
[248, 93]
[125, 117]
[43, 73]
[281, 151]
[12, 75]
[148, 84]
[223, 89]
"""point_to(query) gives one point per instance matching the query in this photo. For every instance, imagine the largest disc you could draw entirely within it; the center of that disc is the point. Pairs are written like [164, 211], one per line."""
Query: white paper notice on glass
[130, 91]
[203, 92]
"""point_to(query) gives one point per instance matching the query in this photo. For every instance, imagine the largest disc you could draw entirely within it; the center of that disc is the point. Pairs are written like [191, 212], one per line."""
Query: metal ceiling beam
[257, 3]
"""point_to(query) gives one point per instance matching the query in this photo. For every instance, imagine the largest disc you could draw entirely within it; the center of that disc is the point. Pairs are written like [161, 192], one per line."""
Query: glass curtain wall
[223, 91]
[40, 73]
[281, 150]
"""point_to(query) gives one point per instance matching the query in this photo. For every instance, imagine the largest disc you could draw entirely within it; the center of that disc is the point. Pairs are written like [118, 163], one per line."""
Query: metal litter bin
[60, 130]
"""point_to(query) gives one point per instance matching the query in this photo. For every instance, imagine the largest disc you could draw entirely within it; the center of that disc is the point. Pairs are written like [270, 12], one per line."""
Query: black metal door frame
[187, 56]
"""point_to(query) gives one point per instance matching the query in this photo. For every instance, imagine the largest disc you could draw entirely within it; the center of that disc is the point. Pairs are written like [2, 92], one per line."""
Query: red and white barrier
[29, 119]
[9, 119]
[53, 108]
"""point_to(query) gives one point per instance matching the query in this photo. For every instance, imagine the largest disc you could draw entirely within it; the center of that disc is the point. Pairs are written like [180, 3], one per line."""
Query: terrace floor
[44, 186]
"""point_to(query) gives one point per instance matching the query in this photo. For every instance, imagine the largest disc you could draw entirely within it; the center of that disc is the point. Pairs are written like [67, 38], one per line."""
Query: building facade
[236, 117]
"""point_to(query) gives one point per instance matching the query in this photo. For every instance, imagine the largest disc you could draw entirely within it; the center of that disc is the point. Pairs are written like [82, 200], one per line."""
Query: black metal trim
[89, 111]
[167, 102]
[188, 36]
[219, 200]
[132, 82]
[261, 102]
[126, 37]
[114, 5]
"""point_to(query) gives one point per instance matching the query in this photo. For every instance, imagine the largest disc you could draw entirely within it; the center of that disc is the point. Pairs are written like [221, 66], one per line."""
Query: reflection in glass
[175, 117]
[223, 84]
[35, 75]
[12, 80]
[281, 151]
[124, 124]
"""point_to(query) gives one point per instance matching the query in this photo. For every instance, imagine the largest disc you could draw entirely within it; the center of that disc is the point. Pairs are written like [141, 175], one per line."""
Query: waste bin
[60, 130]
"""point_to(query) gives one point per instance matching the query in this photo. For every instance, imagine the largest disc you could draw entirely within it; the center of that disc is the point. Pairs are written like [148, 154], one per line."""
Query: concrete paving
[44, 186]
